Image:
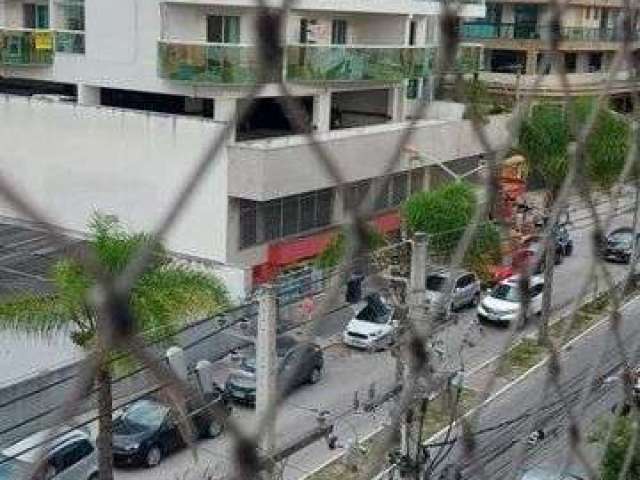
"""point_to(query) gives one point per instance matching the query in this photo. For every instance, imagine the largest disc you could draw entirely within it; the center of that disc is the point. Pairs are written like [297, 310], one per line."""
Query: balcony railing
[69, 41]
[23, 47]
[208, 62]
[533, 31]
[311, 63]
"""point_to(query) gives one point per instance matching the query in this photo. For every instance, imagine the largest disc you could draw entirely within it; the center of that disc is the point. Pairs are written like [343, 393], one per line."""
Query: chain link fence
[461, 451]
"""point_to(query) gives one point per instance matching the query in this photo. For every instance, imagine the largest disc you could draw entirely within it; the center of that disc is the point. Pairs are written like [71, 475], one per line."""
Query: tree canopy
[547, 133]
[443, 214]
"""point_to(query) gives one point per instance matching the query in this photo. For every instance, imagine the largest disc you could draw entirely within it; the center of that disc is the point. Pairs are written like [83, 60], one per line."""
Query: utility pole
[416, 299]
[266, 372]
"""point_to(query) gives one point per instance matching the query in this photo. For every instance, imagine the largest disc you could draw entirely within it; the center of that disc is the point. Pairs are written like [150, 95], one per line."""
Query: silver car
[466, 288]
[70, 456]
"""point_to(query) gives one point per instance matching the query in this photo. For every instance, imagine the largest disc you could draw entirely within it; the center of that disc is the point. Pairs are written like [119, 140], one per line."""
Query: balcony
[26, 47]
[263, 170]
[349, 63]
[70, 41]
[198, 62]
[534, 32]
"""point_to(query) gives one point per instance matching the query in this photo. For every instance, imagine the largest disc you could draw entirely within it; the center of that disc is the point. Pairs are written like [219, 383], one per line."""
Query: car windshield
[621, 237]
[145, 414]
[248, 364]
[506, 292]
[375, 311]
[435, 283]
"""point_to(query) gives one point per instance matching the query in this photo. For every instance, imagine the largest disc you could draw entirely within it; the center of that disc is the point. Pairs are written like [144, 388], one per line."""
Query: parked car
[466, 288]
[302, 363]
[284, 343]
[148, 429]
[70, 456]
[372, 326]
[502, 305]
[620, 245]
[552, 473]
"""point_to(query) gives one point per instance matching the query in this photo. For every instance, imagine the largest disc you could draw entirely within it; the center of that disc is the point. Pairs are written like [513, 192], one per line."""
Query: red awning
[389, 222]
[292, 251]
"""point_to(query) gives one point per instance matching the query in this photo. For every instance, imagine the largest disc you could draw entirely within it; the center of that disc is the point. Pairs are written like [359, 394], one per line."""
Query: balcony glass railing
[69, 41]
[208, 62]
[533, 31]
[26, 47]
[312, 63]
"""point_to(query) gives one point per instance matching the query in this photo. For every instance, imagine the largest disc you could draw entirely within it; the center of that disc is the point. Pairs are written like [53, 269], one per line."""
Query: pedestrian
[353, 294]
[307, 308]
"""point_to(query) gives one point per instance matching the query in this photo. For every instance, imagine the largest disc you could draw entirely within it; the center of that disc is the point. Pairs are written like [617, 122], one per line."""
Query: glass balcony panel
[23, 47]
[316, 63]
[68, 41]
[208, 63]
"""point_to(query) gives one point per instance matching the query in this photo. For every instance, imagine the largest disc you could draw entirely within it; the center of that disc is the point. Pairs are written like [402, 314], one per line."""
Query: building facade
[176, 73]
[516, 38]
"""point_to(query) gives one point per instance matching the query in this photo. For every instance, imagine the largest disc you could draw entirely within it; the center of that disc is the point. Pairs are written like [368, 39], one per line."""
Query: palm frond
[35, 314]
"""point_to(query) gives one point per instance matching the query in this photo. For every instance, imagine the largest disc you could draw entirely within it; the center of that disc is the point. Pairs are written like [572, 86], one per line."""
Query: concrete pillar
[322, 112]
[224, 109]
[177, 362]
[532, 62]
[205, 370]
[396, 105]
[266, 367]
[88, 95]
[418, 268]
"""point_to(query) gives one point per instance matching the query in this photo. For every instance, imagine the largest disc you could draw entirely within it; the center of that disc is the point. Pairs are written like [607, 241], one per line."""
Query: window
[248, 223]
[399, 189]
[69, 455]
[413, 30]
[304, 30]
[73, 15]
[587, 13]
[339, 32]
[536, 290]
[412, 89]
[265, 221]
[356, 194]
[223, 29]
[35, 16]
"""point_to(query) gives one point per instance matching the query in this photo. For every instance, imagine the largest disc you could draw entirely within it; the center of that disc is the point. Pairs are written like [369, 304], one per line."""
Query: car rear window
[435, 283]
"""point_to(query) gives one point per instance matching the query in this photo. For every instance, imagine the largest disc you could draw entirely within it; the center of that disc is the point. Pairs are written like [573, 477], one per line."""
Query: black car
[300, 364]
[620, 245]
[148, 429]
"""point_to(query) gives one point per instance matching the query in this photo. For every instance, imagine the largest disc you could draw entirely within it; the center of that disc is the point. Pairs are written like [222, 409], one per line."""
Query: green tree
[443, 214]
[545, 138]
[163, 298]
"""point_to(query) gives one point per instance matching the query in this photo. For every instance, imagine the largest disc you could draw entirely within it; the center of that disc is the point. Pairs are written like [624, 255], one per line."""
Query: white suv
[70, 456]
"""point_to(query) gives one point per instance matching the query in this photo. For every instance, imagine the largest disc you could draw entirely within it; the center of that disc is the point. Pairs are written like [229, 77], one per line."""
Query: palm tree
[163, 298]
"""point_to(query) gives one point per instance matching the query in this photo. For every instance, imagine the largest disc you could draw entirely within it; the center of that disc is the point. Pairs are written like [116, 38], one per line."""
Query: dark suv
[620, 245]
[302, 363]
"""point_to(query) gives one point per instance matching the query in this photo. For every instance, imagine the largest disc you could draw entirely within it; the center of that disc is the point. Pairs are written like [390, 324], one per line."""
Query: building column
[396, 104]
[582, 62]
[225, 110]
[532, 62]
[88, 95]
[322, 112]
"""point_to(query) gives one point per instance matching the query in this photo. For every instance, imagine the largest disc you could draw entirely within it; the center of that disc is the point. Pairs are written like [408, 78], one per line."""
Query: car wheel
[316, 375]
[213, 430]
[153, 456]
[568, 250]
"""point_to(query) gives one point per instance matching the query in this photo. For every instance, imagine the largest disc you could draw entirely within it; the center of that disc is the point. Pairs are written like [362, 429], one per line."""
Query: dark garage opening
[267, 119]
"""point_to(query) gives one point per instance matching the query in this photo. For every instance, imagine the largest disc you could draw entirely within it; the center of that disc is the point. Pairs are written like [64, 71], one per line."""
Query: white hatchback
[372, 326]
[503, 306]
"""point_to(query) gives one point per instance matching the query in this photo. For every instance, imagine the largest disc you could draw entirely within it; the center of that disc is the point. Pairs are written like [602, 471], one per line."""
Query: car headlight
[132, 446]
[377, 333]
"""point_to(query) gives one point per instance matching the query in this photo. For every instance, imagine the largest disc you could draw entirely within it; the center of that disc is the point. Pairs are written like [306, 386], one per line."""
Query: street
[348, 371]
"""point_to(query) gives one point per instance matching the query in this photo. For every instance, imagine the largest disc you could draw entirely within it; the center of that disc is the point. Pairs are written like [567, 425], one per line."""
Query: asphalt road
[505, 423]
[348, 371]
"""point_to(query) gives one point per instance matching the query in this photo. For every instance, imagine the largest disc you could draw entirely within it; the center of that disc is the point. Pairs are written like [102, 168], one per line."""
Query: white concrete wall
[71, 160]
[189, 22]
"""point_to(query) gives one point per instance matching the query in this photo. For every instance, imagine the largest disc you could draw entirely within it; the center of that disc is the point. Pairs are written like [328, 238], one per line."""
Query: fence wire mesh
[469, 447]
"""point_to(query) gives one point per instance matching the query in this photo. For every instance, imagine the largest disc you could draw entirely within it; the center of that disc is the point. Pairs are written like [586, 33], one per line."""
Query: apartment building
[516, 38]
[356, 68]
